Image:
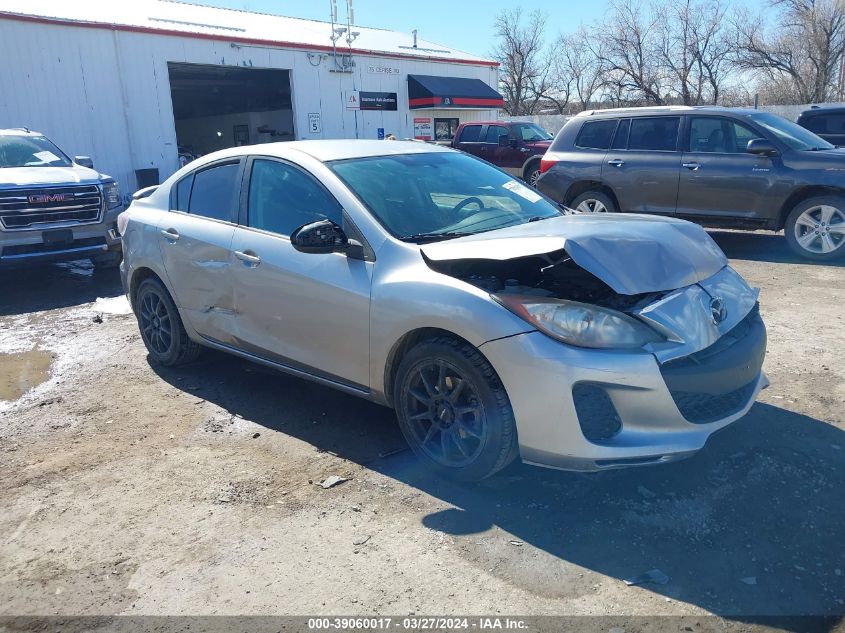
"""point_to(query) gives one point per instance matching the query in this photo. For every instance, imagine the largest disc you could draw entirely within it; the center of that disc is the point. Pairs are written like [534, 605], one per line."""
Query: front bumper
[714, 387]
[20, 248]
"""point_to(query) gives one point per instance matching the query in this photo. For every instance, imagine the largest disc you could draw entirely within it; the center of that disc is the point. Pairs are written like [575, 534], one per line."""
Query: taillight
[546, 164]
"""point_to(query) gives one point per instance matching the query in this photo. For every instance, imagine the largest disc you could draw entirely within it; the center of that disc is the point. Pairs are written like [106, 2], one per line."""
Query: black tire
[805, 224]
[461, 385]
[588, 200]
[161, 326]
[532, 173]
[107, 261]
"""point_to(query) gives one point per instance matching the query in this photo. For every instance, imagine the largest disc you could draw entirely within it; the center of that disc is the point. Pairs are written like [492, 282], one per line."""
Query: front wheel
[815, 228]
[453, 410]
[593, 202]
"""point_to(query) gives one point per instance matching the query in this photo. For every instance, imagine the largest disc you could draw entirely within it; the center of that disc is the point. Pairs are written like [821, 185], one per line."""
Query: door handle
[249, 258]
[616, 162]
[171, 234]
[691, 166]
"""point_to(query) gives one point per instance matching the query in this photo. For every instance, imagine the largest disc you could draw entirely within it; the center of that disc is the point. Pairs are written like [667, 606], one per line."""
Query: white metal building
[133, 83]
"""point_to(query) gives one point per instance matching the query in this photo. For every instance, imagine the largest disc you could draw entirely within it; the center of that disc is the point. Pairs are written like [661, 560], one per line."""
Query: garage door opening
[216, 107]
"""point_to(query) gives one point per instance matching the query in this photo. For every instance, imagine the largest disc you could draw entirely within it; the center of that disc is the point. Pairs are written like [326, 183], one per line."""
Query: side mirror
[761, 147]
[322, 236]
[84, 161]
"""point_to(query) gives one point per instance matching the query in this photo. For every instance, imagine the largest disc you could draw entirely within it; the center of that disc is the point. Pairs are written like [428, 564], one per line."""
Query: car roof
[653, 110]
[495, 122]
[826, 109]
[19, 131]
[327, 150]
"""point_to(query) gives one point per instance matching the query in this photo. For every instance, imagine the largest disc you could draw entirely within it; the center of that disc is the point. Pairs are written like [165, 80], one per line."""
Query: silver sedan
[494, 323]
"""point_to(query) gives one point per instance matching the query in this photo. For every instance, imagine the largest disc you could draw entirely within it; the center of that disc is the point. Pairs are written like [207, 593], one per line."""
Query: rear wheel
[161, 326]
[815, 228]
[593, 202]
[454, 411]
[532, 173]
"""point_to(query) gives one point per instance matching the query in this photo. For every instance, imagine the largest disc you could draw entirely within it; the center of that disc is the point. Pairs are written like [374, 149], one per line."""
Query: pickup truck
[514, 146]
[53, 208]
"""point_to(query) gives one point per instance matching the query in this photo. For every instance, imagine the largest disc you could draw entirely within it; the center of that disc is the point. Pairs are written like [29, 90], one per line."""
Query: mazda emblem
[718, 310]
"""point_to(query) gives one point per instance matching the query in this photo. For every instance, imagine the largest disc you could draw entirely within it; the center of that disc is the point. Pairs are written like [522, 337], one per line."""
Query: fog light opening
[597, 416]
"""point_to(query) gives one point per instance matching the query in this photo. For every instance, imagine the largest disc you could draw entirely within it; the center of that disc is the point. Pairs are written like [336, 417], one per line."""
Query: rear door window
[470, 134]
[215, 191]
[620, 139]
[659, 134]
[596, 134]
[826, 124]
[182, 193]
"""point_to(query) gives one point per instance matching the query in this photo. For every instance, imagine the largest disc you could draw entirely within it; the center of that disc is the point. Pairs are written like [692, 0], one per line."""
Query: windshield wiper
[435, 235]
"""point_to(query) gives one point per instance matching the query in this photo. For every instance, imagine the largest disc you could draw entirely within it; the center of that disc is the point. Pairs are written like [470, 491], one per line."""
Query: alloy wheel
[591, 205]
[820, 229]
[533, 177]
[445, 413]
[155, 323]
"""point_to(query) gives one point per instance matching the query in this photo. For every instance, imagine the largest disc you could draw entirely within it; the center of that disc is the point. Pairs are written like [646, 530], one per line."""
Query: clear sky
[462, 24]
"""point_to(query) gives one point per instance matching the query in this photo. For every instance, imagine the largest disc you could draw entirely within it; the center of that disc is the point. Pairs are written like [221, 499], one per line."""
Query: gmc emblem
[42, 198]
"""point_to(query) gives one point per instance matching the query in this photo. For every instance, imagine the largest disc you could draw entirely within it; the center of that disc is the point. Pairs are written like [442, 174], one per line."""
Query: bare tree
[630, 50]
[524, 71]
[805, 50]
[579, 66]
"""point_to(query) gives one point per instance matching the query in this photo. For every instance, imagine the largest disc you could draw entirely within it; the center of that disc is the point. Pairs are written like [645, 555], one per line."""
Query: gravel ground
[131, 489]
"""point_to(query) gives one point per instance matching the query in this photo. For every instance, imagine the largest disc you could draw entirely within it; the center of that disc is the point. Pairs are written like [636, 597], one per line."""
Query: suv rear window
[654, 133]
[470, 134]
[596, 134]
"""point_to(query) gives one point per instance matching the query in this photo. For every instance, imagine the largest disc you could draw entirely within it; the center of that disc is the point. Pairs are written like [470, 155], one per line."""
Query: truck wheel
[532, 173]
[161, 326]
[593, 202]
[815, 228]
[453, 410]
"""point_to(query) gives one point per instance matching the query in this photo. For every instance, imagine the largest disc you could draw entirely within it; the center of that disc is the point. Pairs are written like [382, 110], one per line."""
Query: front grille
[22, 209]
[597, 416]
[701, 408]
[704, 384]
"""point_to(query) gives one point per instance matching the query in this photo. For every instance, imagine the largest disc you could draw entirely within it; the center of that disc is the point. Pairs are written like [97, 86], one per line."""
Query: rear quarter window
[596, 134]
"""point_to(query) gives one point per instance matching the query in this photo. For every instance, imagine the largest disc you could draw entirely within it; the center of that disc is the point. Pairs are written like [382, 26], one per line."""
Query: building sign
[377, 69]
[422, 128]
[314, 124]
[352, 99]
[377, 101]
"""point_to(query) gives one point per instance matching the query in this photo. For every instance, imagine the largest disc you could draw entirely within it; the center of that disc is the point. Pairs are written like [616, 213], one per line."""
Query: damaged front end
[649, 369]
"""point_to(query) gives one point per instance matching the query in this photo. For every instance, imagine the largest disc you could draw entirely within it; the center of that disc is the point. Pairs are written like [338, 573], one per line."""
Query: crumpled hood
[23, 176]
[633, 254]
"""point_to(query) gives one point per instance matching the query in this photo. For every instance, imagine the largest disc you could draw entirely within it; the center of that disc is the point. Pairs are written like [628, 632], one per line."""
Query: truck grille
[35, 208]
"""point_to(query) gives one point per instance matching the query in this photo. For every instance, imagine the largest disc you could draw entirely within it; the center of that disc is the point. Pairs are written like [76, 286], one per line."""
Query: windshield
[790, 133]
[419, 197]
[30, 151]
[529, 132]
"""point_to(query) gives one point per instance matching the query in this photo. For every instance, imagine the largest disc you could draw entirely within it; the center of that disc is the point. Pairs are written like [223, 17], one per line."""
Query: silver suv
[429, 281]
[53, 208]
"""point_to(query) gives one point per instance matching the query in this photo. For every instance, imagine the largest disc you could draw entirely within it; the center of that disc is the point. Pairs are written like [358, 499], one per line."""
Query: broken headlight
[580, 324]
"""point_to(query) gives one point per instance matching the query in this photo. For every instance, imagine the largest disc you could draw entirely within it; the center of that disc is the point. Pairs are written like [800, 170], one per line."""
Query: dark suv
[826, 122]
[733, 168]
[516, 147]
